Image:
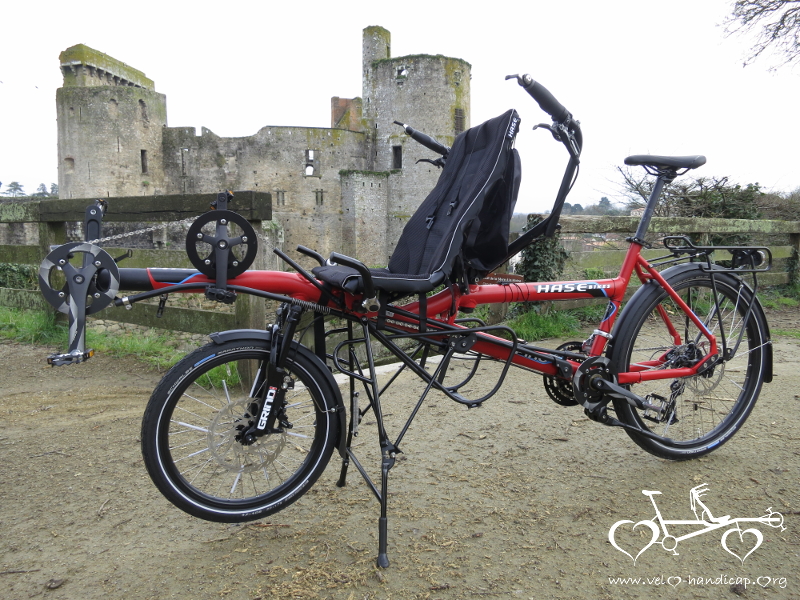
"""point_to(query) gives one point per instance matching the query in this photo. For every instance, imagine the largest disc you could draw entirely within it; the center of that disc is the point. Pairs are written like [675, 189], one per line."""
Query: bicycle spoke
[707, 404]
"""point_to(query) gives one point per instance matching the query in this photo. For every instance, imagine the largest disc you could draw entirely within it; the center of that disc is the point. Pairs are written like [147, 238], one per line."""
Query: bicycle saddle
[666, 162]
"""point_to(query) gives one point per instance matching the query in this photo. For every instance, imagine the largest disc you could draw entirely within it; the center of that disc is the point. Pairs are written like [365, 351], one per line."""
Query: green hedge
[19, 277]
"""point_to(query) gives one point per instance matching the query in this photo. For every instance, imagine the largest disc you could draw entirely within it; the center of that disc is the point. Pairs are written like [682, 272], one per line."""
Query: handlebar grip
[309, 252]
[424, 139]
[361, 268]
[547, 102]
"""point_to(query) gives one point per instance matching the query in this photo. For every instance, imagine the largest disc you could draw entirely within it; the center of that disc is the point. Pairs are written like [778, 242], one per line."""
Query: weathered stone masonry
[350, 188]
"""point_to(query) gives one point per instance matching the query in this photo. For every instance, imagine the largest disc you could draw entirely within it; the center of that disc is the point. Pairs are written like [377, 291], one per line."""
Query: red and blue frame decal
[585, 287]
[610, 310]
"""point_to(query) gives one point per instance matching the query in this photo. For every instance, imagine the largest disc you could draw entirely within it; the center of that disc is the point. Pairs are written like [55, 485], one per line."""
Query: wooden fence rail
[51, 216]
[603, 248]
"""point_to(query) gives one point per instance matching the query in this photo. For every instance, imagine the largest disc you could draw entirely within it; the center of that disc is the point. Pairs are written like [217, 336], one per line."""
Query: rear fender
[682, 272]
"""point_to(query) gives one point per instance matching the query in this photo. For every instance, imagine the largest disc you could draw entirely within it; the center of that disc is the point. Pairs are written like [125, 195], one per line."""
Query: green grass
[532, 325]
[780, 296]
[34, 327]
[787, 332]
[229, 373]
[149, 347]
[590, 315]
[31, 327]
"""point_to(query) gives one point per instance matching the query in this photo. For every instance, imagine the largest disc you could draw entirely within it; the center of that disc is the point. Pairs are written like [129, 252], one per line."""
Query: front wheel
[190, 428]
[705, 410]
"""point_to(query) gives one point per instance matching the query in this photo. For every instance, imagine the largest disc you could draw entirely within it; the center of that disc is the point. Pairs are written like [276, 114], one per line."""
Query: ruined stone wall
[299, 166]
[113, 141]
[430, 93]
[84, 66]
[365, 201]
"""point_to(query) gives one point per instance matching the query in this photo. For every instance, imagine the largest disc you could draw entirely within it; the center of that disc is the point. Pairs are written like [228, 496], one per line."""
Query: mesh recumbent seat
[460, 231]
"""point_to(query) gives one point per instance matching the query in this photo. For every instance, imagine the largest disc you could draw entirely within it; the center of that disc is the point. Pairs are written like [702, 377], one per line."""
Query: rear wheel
[193, 422]
[705, 410]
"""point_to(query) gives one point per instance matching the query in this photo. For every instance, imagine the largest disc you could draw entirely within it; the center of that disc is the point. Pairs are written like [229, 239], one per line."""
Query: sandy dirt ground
[511, 500]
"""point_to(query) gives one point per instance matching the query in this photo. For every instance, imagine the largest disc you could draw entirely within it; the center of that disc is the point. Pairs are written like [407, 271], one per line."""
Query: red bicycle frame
[443, 308]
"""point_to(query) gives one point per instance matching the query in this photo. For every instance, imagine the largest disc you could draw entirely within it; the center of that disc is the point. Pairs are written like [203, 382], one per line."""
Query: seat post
[664, 176]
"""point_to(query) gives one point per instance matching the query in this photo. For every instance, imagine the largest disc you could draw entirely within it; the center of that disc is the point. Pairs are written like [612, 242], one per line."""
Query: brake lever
[550, 128]
[561, 133]
[439, 162]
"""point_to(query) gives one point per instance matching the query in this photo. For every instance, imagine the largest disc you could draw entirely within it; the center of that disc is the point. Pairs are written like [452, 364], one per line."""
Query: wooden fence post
[251, 311]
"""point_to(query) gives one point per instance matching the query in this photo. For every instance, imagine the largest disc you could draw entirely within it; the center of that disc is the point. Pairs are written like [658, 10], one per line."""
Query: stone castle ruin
[348, 188]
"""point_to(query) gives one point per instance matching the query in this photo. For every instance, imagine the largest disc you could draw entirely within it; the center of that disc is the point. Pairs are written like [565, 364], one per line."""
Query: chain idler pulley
[209, 243]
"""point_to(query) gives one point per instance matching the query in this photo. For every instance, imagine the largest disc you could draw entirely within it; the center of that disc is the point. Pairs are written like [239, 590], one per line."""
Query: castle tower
[110, 121]
[430, 93]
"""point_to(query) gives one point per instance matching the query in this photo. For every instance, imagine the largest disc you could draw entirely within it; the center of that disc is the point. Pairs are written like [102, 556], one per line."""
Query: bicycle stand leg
[343, 473]
[355, 415]
[383, 522]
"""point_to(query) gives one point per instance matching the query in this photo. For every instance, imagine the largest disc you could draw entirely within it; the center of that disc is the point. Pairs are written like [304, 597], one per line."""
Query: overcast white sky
[643, 76]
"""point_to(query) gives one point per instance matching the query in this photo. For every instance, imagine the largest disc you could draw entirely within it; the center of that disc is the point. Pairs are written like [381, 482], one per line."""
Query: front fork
[272, 380]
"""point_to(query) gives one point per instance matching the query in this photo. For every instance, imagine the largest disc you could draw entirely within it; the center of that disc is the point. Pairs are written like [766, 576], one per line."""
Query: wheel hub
[232, 450]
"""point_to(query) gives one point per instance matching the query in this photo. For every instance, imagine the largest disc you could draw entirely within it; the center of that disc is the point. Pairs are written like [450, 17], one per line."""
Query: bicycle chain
[119, 236]
[139, 231]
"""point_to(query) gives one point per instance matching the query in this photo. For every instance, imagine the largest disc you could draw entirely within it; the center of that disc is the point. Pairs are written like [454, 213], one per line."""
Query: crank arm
[612, 422]
[616, 391]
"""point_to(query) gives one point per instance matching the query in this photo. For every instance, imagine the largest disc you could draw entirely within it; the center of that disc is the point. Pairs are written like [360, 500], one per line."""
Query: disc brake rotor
[231, 454]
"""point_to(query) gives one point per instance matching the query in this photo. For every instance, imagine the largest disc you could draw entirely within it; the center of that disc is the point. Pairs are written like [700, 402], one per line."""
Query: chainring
[93, 264]
[560, 390]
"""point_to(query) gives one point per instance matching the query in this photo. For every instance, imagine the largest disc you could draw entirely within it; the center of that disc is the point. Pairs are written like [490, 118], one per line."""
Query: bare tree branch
[776, 23]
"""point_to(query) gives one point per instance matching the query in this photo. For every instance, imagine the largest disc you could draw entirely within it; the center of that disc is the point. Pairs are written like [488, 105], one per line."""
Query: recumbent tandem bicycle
[243, 426]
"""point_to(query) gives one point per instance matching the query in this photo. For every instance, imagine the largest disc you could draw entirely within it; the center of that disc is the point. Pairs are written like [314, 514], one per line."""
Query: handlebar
[547, 102]
[424, 139]
[370, 297]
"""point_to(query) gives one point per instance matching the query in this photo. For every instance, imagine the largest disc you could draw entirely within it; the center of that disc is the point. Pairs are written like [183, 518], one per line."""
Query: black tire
[188, 432]
[708, 408]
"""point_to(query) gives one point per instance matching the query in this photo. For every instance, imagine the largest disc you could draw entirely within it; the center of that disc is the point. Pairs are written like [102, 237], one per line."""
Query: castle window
[402, 73]
[280, 197]
[69, 165]
[144, 161]
[459, 120]
[397, 157]
[143, 110]
[311, 168]
[318, 197]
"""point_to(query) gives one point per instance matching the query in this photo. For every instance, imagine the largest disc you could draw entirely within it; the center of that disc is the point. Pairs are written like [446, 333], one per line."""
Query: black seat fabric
[466, 216]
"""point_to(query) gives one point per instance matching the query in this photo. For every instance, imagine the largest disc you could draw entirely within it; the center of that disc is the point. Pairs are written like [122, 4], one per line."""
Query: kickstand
[386, 464]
